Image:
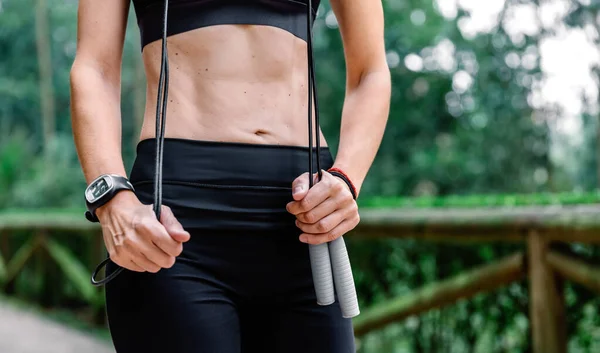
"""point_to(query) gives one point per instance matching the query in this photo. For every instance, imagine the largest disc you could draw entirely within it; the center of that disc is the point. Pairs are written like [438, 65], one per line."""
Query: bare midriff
[232, 83]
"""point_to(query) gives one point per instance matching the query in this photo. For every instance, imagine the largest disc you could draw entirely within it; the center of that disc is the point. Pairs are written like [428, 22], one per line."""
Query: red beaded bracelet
[340, 174]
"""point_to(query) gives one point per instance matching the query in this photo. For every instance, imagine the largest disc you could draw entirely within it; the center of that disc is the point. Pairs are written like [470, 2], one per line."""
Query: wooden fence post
[546, 307]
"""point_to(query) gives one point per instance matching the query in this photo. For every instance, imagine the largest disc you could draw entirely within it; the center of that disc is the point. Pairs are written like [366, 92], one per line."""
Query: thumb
[300, 187]
[172, 225]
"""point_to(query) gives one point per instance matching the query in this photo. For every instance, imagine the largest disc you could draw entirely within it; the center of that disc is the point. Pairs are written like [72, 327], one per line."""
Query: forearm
[96, 121]
[364, 116]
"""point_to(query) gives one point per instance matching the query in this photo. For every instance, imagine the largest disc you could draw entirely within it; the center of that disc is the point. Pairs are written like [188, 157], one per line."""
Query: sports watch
[102, 190]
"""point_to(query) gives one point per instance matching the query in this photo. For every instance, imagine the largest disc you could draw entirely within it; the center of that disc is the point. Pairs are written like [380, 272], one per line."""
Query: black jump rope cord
[161, 110]
[312, 89]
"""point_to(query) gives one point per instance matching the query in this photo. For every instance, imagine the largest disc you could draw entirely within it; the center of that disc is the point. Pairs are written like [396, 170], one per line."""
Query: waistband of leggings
[225, 163]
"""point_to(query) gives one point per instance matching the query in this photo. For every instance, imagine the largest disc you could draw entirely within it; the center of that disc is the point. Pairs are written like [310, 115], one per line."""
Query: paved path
[26, 332]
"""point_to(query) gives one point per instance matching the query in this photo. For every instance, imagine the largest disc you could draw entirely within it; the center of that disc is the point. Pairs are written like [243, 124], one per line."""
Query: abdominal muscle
[232, 83]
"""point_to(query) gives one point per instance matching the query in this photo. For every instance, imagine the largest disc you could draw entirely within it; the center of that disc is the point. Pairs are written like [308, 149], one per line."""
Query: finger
[172, 226]
[317, 194]
[300, 186]
[324, 225]
[144, 262]
[341, 229]
[146, 246]
[155, 254]
[152, 234]
[131, 265]
[128, 256]
[161, 239]
[325, 208]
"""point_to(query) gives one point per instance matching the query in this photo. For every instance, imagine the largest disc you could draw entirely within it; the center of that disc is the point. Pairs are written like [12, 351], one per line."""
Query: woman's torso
[228, 80]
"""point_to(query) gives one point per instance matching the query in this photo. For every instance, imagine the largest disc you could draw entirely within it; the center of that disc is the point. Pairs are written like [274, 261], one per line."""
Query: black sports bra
[187, 15]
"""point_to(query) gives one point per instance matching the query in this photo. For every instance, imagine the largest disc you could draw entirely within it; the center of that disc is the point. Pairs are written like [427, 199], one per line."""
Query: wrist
[341, 174]
[354, 174]
[122, 199]
[101, 191]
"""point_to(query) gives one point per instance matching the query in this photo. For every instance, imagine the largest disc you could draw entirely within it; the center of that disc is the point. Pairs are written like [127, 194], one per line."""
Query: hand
[326, 211]
[135, 239]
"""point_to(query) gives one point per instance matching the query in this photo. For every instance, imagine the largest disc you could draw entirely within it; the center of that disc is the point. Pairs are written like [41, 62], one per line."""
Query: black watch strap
[102, 190]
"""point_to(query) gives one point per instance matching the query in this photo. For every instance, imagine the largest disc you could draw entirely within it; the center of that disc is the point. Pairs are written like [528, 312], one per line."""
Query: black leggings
[243, 283]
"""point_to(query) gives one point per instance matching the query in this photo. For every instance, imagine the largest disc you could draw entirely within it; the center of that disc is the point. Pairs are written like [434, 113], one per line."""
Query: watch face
[98, 189]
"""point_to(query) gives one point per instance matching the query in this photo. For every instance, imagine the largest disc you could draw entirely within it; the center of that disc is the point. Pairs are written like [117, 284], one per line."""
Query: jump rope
[330, 264]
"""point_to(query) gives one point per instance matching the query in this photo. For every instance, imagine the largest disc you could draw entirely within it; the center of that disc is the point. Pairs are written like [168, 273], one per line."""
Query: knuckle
[322, 226]
[140, 225]
[310, 217]
[129, 245]
[347, 199]
[305, 203]
[350, 213]
[126, 242]
[347, 206]
[337, 186]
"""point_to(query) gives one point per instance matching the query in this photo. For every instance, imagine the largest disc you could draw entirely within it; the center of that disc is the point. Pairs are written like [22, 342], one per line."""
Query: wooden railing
[537, 227]
[28, 236]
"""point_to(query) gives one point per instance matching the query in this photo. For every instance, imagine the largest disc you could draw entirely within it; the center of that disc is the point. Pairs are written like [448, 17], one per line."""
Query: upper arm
[101, 26]
[362, 27]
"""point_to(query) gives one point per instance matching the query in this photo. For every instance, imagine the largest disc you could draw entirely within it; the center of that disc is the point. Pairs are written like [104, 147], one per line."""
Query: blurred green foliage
[482, 140]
